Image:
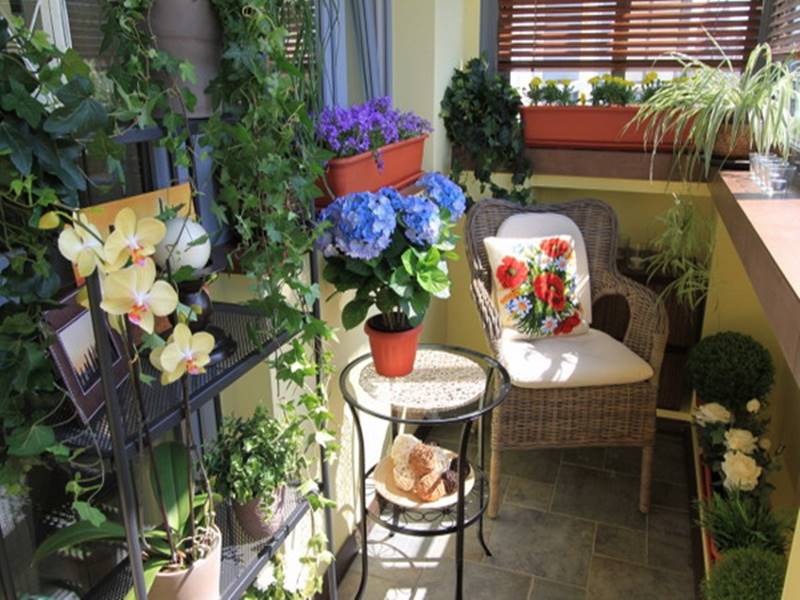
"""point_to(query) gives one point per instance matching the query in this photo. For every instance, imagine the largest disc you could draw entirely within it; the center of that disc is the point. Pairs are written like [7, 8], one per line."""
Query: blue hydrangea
[420, 216]
[444, 193]
[362, 225]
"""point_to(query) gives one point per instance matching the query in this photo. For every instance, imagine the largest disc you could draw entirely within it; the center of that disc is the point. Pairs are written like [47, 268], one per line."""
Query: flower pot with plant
[716, 111]
[391, 249]
[252, 462]
[374, 146]
[746, 574]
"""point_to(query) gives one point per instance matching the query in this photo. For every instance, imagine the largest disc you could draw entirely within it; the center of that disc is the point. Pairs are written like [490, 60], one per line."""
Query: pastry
[429, 487]
[423, 459]
[404, 477]
[450, 481]
[401, 447]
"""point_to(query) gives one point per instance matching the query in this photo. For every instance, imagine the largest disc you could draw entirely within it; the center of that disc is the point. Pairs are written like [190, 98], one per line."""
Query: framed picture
[75, 354]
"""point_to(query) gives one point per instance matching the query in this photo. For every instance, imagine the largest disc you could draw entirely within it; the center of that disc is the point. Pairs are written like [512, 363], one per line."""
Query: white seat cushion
[591, 359]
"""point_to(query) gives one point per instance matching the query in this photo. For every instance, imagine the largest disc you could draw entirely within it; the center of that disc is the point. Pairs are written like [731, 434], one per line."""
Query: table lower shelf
[428, 522]
[242, 556]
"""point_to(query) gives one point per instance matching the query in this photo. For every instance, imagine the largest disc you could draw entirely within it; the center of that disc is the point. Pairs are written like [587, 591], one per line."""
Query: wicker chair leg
[494, 484]
[647, 476]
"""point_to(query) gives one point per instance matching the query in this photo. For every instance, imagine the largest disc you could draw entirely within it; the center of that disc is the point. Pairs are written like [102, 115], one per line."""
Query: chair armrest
[485, 303]
[648, 324]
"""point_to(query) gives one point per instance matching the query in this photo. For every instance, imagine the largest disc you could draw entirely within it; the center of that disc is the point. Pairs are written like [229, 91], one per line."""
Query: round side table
[449, 385]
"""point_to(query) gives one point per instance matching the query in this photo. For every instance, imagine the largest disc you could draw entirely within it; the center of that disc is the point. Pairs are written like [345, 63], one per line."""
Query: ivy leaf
[86, 116]
[19, 101]
[186, 71]
[30, 441]
[87, 512]
[73, 65]
[21, 154]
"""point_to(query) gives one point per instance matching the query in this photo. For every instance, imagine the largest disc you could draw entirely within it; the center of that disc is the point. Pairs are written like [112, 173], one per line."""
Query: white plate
[386, 487]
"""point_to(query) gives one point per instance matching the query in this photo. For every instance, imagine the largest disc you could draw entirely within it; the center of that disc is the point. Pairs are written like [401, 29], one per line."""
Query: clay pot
[402, 166]
[733, 149]
[199, 582]
[393, 352]
[252, 517]
[189, 30]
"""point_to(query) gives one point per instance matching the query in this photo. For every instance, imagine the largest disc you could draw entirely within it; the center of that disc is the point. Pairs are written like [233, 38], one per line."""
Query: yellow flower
[81, 245]
[594, 80]
[135, 292]
[566, 82]
[184, 353]
[536, 82]
[582, 98]
[131, 238]
[650, 77]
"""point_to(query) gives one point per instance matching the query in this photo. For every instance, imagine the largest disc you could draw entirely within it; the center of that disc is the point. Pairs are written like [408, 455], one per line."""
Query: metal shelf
[163, 403]
[242, 557]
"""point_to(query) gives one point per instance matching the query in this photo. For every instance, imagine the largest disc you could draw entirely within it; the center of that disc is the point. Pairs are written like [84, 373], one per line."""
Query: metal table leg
[363, 492]
[463, 471]
[482, 462]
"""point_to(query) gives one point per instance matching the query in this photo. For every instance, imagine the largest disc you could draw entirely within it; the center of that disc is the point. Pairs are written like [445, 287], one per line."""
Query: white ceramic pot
[199, 582]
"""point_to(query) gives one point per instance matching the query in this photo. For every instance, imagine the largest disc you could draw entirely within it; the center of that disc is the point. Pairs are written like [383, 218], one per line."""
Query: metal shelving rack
[114, 432]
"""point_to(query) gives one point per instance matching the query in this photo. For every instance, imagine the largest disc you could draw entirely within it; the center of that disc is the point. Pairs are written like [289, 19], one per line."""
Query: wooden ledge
[766, 234]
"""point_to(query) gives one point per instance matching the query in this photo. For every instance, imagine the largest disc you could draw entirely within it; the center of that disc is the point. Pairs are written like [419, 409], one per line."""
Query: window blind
[784, 27]
[567, 34]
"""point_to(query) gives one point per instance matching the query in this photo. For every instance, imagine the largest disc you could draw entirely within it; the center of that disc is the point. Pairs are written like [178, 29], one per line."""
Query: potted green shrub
[718, 111]
[558, 118]
[746, 574]
[252, 462]
[374, 146]
[391, 249]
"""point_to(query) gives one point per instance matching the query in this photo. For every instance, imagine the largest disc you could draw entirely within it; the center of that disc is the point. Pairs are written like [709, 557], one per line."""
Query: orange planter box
[581, 127]
[402, 166]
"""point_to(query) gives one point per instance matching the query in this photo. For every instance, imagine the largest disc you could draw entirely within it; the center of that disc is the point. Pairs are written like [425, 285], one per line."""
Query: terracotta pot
[733, 149]
[189, 30]
[393, 352]
[580, 127]
[402, 166]
[252, 517]
[199, 582]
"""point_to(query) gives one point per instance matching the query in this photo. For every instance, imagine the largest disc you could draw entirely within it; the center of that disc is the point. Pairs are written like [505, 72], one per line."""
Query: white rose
[741, 440]
[765, 444]
[753, 406]
[713, 412]
[741, 471]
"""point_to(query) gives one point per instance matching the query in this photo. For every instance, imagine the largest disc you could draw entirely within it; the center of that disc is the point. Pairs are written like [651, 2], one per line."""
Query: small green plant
[650, 85]
[608, 90]
[253, 458]
[731, 368]
[682, 253]
[558, 93]
[744, 521]
[746, 574]
[481, 116]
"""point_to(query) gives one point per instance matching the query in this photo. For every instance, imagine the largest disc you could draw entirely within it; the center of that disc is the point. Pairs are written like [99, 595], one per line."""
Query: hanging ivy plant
[481, 116]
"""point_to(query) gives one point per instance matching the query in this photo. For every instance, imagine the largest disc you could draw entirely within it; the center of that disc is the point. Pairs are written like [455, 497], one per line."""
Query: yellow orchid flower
[135, 292]
[185, 352]
[81, 245]
[133, 238]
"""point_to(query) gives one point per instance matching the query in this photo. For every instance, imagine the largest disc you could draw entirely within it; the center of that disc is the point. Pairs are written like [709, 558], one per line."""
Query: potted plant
[746, 574]
[558, 118]
[251, 462]
[391, 249]
[374, 146]
[717, 111]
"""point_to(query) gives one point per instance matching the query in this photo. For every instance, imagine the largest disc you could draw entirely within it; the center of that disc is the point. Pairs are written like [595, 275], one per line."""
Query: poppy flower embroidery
[568, 324]
[511, 272]
[554, 247]
[549, 288]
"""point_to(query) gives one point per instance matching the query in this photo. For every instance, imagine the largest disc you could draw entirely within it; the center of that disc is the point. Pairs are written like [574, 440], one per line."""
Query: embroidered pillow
[534, 283]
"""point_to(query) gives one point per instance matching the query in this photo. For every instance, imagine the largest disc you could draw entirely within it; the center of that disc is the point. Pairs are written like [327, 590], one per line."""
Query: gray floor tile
[550, 590]
[669, 543]
[551, 546]
[669, 460]
[624, 460]
[585, 457]
[378, 588]
[610, 579]
[598, 495]
[669, 495]
[616, 542]
[538, 465]
[480, 583]
[529, 493]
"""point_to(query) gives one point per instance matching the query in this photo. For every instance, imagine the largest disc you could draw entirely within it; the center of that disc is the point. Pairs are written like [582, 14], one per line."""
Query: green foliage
[559, 93]
[683, 253]
[253, 458]
[273, 584]
[608, 90]
[756, 103]
[744, 521]
[746, 574]
[731, 368]
[481, 116]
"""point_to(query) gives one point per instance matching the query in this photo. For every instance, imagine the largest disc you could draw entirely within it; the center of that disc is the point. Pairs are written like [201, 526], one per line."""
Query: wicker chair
[563, 417]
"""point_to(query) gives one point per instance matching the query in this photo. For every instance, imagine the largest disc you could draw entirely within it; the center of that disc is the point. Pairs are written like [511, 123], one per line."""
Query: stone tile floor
[568, 529]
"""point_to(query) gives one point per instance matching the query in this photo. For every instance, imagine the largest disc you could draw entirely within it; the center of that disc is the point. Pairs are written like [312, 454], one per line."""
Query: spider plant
[706, 100]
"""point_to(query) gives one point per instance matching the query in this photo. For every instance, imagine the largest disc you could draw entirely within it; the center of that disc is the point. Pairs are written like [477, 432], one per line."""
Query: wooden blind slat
[630, 33]
[784, 27]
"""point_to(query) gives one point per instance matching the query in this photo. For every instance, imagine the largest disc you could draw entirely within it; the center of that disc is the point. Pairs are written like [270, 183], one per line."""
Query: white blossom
[266, 578]
[741, 471]
[741, 440]
[753, 406]
[765, 444]
[711, 413]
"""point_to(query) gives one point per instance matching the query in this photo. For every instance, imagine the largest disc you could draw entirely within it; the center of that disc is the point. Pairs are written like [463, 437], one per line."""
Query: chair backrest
[595, 219]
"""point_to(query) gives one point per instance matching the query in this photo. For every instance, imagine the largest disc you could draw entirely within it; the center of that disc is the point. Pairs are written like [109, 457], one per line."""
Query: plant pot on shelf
[189, 30]
[585, 127]
[393, 352]
[199, 582]
[725, 145]
[402, 166]
[254, 519]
